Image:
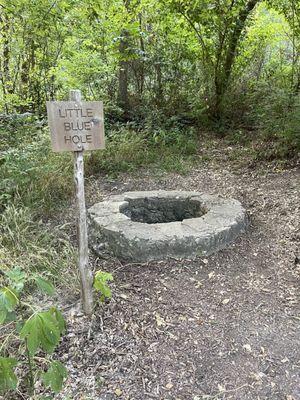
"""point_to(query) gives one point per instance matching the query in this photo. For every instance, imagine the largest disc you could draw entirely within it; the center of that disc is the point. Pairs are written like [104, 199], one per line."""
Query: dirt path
[224, 327]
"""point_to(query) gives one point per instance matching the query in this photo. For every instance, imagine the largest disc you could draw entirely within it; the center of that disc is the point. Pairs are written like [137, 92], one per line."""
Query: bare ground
[221, 327]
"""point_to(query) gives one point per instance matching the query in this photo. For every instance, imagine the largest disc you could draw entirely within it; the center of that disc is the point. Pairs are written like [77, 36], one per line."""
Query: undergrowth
[37, 184]
[34, 246]
[31, 175]
[128, 149]
[34, 182]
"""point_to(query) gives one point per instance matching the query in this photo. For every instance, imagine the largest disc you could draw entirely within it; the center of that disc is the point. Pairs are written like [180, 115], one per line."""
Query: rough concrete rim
[141, 242]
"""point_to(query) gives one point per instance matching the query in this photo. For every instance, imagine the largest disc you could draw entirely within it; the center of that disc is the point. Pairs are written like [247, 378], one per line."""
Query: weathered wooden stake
[86, 276]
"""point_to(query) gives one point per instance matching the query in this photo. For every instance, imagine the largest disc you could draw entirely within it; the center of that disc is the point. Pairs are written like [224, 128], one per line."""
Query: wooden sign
[76, 125]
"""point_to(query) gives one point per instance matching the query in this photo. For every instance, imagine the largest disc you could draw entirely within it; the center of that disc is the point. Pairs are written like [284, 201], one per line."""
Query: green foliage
[16, 278]
[100, 284]
[8, 379]
[30, 173]
[280, 129]
[33, 247]
[44, 285]
[130, 149]
[150, 62]
[41, 331]
[165, 70]
[55, 376]
[8, 302]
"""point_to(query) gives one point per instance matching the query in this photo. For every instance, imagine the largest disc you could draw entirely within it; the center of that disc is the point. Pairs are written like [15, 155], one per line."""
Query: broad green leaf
[30, 332]
[17, 278]
[50, 327]
[47, 346]
[8, 299]
[42, 330]
[55, 376]
[8, 302]
[60, 319]
[44, 285]
[3, 314]
[11, 316]
[100, 283]
[8, 379]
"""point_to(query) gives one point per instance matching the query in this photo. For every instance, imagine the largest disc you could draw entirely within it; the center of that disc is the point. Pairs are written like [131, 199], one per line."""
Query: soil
[221, 327]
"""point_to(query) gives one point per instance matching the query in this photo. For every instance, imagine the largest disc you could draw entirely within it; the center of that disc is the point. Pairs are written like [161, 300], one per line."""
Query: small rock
[247, 347]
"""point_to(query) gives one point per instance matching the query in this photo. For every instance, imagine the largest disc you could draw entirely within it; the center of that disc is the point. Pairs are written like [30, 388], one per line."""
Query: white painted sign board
[76, 125]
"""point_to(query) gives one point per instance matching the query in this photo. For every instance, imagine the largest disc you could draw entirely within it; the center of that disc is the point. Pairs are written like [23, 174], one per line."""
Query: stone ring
[145, 226]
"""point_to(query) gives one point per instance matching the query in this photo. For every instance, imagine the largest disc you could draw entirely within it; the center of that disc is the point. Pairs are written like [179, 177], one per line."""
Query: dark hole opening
[163, 210]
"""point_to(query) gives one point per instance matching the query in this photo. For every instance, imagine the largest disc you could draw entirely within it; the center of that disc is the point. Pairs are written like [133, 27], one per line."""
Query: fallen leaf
[256, 376]
[225, 301]
[159, 320]
[247, 347]
[171, 336]
[169, 385]
[285, 360]
[221, 388]
[118, 392]
[211, 275]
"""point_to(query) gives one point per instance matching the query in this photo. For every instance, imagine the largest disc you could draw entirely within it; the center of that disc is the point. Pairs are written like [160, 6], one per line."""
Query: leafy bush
[30, 173]
[278, 118]
[100, 284]
[128, 149]
[36, 331]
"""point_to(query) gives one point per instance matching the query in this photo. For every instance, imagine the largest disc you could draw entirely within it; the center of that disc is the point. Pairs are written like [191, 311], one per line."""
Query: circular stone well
[144, 226]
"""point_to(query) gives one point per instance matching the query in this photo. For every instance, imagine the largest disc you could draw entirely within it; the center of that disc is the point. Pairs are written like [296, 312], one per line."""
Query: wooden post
[86, 276]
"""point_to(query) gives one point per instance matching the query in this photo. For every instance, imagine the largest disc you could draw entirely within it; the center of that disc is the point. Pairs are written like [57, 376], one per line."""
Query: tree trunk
[123, 75]
[159, 85]
[142, 66]
[123, 99]
[5, 75]
[223, 74]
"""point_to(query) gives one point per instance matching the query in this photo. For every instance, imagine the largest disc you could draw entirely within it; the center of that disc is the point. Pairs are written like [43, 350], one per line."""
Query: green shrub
[30, 173]
[279, 123]
[36, 332]
[129, 149]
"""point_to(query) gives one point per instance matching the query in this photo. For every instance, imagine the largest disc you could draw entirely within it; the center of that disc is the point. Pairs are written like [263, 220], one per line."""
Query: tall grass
[33, 246]
[128, 150]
